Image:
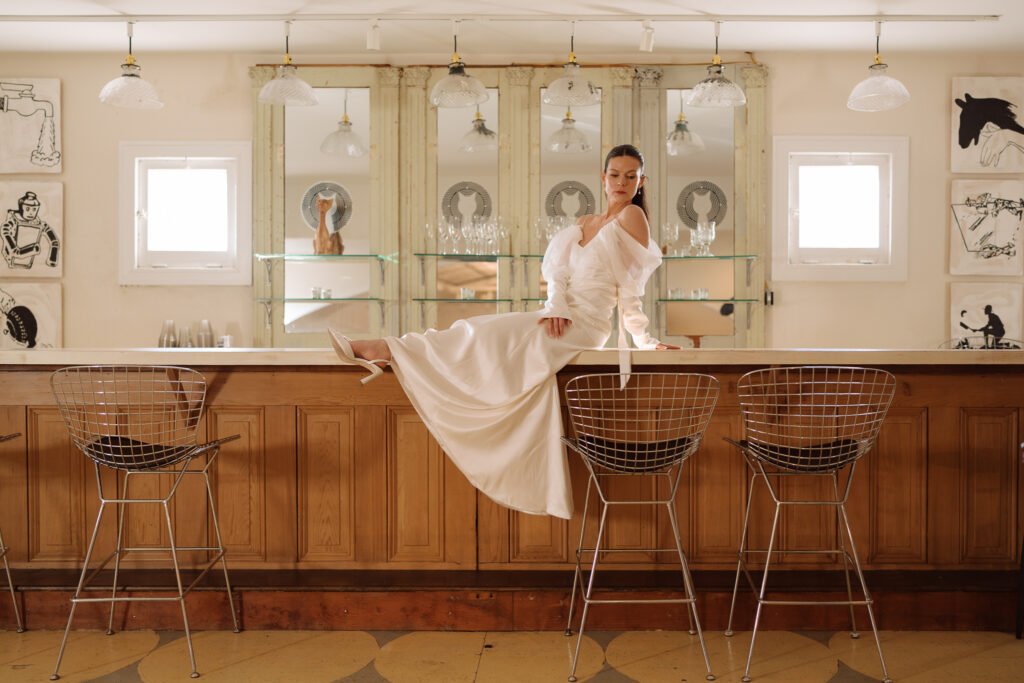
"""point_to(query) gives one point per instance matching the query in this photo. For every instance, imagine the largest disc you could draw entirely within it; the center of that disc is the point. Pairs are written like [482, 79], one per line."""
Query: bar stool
[3, 556]
[808, 422]
[141, 421]
[647, 428]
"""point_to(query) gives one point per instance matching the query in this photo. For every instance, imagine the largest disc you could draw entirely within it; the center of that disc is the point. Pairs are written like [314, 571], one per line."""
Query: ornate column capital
[389, 75]
[622, 75]
[649, 76]
[415, 76]
[519, 75]
[754, 76]
[261, 75]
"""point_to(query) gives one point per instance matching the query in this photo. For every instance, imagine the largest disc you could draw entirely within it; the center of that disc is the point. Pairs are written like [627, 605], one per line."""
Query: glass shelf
[468, 301]
[712, 301]
[465, 257]
[324, 257]
[709, 258]
[290, 299]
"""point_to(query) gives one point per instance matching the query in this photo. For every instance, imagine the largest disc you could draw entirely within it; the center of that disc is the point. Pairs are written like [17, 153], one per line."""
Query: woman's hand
[556, 327]
[663, 347]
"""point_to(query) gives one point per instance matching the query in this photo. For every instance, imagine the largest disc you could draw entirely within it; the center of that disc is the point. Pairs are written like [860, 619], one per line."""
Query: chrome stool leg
[220, 546]
[691, 593]
[117, 552]
[868, 600]
[579, 552]
[10, 585]
[846, 563]
[589, 589]
[740, 563]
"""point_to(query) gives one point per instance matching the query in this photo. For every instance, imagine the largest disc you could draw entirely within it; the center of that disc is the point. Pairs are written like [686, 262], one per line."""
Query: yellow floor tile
[30, 656]
[265, 656]
[431, 657]
[537, 657]
[934, 656]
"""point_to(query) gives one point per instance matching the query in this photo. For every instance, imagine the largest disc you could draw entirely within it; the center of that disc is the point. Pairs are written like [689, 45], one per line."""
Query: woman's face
[622, 178]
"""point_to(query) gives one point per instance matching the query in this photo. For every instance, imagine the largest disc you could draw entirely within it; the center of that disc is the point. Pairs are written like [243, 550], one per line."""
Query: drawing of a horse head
[975, 112]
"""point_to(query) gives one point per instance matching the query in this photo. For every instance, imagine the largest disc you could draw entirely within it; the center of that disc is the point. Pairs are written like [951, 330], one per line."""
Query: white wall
[807, 96]
[206, 97]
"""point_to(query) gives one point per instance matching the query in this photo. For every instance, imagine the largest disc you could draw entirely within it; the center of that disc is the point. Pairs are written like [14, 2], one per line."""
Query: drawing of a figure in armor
[22, 233]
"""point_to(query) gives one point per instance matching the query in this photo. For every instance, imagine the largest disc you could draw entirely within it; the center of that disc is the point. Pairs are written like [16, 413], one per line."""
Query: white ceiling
[533, 39]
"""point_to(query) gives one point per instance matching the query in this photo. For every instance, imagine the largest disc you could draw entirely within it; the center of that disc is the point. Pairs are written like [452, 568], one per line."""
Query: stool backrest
[813, 418]
[656, 421]
[131, 416]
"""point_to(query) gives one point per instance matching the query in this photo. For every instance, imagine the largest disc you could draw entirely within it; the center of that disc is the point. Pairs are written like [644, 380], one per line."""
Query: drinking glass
[167, 337]
[670, 233]
[706, 235]
[205, 335]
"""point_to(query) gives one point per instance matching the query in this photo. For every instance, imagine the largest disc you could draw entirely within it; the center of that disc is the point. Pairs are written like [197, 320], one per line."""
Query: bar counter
[333, 475]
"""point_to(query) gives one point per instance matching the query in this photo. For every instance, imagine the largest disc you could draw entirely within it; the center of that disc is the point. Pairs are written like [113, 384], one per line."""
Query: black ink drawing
[22, 233]
[986, 227]
[19, 322]
[993, 333]
[985, 315]
[987, 135]
[38, 114]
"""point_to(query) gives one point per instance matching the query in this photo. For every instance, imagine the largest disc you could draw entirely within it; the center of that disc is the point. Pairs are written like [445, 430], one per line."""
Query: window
[185, 213]
[840, 208]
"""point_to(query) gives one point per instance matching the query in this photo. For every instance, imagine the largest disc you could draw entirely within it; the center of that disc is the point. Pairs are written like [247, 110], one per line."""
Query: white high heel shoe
[343, 347]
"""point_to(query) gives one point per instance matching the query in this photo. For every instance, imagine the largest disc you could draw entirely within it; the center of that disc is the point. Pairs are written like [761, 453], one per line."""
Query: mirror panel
[315, 178]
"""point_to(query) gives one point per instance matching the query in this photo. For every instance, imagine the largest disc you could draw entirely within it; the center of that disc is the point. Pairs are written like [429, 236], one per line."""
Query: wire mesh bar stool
[139, 420]
[648, 428]
[808, 422]
[3, 556]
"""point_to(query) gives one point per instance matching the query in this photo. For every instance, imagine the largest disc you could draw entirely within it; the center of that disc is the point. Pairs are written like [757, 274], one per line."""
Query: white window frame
[889, 262]
[136, 264]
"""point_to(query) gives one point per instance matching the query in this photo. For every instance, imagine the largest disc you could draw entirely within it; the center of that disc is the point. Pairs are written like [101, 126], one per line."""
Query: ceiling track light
[879, 91]
[480, 138]
[681, 140]
[457, 89]
[130, 90]
[572, 89]
[373, 35]
[716, 91]
[287, 88]
[344, 142]
[569, 139]
[647, 36]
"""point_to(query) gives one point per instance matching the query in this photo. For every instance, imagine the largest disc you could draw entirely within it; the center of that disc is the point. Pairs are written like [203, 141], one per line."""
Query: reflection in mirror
[700, 187]
[327, 213]
[467, 215]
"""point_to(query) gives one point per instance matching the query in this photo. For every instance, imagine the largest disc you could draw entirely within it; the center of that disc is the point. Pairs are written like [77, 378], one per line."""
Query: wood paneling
[715, 493]
[327, 482]
[14, 485]
[239, 482]
[539, 539]
[988, 496]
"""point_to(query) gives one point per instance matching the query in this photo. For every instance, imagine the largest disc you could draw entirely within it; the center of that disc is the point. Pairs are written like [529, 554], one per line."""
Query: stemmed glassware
[478, 237]
[705, 236]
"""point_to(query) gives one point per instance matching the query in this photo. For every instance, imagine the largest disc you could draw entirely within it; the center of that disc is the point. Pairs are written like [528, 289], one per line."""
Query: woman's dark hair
[22, 326]
[640, 199]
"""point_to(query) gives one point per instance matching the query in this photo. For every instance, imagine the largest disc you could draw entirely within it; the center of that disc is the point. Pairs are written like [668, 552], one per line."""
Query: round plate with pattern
[702, 190]
[339, 214]
[450, 202]
[568, 188]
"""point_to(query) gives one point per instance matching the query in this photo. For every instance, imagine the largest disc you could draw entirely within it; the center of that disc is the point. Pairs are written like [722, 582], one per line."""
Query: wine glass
[670, 233]
[706, 235]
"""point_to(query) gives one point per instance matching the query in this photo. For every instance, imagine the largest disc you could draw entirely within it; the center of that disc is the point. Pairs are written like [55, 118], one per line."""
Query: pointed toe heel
[343, 348]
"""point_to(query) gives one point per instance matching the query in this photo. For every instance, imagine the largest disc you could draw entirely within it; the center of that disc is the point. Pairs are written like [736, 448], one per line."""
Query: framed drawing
[30, 125]
[30, 315]
[31, 229]
[985, 220]
[986, 135]
[985, 314]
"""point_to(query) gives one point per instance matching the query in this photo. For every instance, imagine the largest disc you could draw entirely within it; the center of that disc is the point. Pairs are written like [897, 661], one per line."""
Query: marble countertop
[311, 357]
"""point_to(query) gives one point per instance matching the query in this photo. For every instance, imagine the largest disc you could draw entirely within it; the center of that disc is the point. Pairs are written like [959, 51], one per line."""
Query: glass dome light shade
[572, 89]
[716, 91]
[344, 142]
[458, 89]
[287, 88]
[878, 92]
[480, 138]
[130, 90]
[681, 140]
[568, 139]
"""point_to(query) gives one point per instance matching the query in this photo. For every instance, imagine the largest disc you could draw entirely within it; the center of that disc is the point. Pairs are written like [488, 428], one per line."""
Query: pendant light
[568, 139]
[879, 91]
[287, 88]
[480, 138]
[716, 90]
[572, 89]
[457, 89]
[129, 90]
[681, 140]
[344, 142]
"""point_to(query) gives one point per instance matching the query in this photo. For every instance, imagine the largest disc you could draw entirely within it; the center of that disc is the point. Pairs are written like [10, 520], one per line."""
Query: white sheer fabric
[486, 388]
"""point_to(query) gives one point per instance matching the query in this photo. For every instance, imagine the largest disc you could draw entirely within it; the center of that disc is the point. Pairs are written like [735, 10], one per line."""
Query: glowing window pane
[187, 209]
[839, 207]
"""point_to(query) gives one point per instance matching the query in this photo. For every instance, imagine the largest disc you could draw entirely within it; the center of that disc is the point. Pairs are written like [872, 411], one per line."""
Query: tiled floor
[455, 657]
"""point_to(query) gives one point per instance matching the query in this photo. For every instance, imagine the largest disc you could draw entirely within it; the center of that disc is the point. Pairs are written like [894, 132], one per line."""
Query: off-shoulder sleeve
[632, 263]
[556, 271]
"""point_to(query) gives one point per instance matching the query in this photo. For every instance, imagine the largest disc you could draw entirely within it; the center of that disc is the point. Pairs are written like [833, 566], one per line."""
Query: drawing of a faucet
[23, 101]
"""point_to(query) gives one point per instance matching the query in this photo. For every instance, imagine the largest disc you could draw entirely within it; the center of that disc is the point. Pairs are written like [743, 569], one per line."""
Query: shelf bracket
[748, 312]
[423, 314]
[380, 305]
[267, 264]
[423, 273]
[380, 263]
[266, 308]
[750, 265]
[512, 272]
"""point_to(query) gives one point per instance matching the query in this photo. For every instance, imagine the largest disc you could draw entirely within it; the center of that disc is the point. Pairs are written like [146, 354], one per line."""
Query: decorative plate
[701, 189]
[553, 202]
[338, 216]
[466, 188]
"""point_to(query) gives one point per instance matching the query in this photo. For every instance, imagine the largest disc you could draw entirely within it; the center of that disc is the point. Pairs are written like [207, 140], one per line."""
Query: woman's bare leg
[371, 349]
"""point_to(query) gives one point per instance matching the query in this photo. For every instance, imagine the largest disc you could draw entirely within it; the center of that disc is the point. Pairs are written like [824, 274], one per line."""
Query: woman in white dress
[486, 386]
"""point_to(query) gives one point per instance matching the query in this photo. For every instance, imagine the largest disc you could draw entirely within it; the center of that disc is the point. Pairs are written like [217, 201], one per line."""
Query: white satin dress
[486, 386]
